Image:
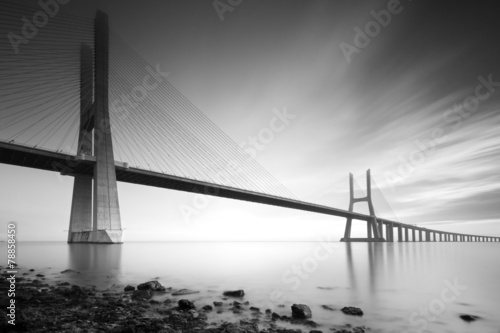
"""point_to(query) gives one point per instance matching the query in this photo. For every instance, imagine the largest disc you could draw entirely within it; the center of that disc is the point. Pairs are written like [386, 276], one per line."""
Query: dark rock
[40, 275]
[351, 310]
[65, 283]
[216, 303]
[129, 288]
[153, 301]
[469, 318]
[69, 271]
[327, 307]
[184, 292]
[234, 293]
[185, 304]
[246, 303]
[359, 329]
[315, 331]
[142, 294]
[207, 308]
[32, 270]
[151, 285]
[301, 311]
[237, 304]
[253, 308]
[268, 311]
[275, 316]
[281, 305]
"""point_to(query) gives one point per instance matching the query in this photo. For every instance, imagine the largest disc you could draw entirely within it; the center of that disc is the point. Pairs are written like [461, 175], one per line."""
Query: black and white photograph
[249, 166]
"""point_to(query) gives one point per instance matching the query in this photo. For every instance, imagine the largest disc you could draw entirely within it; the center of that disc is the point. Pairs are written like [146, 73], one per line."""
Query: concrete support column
[381, 228]
[420, 236]
[400, 233]
[413, 235]
[80, 222]
[406, 235]
[389, 231]
[107, 221]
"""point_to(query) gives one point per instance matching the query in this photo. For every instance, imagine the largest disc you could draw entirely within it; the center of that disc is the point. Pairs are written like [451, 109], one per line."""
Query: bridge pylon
[95, 211]
[373, 228]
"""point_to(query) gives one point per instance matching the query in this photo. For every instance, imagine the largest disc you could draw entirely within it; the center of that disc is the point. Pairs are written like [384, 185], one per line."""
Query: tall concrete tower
[95, 211]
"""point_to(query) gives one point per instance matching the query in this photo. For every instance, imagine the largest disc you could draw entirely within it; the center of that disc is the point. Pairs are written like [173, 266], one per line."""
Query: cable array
[40, 76]
[156, 127]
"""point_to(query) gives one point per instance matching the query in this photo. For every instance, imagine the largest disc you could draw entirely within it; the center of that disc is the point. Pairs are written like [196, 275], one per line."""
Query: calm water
[413, 287]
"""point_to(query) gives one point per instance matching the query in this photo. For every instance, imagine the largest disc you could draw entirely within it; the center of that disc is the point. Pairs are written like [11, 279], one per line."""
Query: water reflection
[99, 263]
[376, 253]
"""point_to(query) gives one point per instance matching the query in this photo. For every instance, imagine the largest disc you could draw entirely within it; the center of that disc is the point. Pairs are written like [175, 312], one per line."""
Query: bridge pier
[105, 224]
[406, 234]
[374, 228]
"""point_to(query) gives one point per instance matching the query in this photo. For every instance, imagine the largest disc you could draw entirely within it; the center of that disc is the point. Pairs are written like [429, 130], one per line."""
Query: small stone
[268, 311]
[237, 304]
[69, 271]
[151, 285]
[315, 331]
[469, 318]
[351, 310]
[216, 303]
[281, 305]
[141, 294]
[253, 308]
[301, 311]
[40, 275]
[32, 270]
[246, 303]
[327, 307]
[129, 288]
[359, 329]
[184, 292]
[207, 308]
[275, 316]
[234, 293]
[185, 304]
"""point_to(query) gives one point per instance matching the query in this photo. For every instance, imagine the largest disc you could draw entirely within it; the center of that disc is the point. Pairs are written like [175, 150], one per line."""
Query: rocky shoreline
[45, 306]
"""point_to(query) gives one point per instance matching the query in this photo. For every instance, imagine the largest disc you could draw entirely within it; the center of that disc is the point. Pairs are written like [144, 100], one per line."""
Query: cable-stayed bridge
[78, 100]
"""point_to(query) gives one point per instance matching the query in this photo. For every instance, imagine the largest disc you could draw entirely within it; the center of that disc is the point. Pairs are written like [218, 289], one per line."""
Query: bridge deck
[66, 164]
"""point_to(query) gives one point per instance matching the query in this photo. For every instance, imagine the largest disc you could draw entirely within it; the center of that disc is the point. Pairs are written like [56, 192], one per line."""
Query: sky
[409, 89]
